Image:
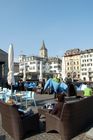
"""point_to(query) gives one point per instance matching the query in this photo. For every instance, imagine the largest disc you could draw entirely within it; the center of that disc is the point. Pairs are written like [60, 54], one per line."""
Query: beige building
[72, 64]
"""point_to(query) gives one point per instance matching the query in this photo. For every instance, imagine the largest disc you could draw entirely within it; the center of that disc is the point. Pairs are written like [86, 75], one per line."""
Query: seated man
[58, 107]
[22, 111]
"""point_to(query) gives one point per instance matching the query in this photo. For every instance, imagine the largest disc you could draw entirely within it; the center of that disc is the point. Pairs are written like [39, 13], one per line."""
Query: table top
[43, 111]
[19, 94]
[2, 92]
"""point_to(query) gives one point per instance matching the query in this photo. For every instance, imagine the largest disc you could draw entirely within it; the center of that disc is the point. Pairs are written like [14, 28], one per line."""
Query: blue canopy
[51, 84]
[56, 86]
[30, 85]
[63, 87]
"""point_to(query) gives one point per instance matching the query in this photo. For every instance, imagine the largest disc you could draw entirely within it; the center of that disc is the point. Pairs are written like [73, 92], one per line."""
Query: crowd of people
[56, 85]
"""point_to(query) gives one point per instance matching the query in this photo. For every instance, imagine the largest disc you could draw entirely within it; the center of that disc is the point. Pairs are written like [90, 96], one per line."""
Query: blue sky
[62, 24]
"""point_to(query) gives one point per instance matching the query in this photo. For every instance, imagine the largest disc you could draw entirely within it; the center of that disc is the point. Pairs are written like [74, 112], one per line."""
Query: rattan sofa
[75, 117]
[14, 124]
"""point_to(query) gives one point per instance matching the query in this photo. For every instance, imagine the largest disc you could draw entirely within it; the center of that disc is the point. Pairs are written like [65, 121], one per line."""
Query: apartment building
[31, 65]
[55, 65]
[75, 64]
[86, 58]
[72, 64]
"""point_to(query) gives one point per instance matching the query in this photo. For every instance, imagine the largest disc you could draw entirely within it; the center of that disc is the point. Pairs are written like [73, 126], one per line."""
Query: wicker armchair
[76, 116]
[15, 125]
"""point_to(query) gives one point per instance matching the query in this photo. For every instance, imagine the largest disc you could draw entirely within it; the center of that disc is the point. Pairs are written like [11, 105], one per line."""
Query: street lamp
[72, 69]
[24, 73]
[41, 73]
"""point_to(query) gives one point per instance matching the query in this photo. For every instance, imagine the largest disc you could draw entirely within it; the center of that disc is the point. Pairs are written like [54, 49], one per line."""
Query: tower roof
[43, 46]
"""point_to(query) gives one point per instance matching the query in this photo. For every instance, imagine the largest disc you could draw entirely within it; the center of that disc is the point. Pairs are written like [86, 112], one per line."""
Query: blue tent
[56, 86]
[63, 87]
[50, 83]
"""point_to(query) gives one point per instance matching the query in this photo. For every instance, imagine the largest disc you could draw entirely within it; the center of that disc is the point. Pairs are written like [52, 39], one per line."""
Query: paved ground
[42, 99]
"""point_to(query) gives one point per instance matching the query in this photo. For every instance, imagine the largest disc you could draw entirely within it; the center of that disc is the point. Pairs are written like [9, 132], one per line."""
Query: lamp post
[24, 73]
[63, 69]
[72, 69]
[41, 74]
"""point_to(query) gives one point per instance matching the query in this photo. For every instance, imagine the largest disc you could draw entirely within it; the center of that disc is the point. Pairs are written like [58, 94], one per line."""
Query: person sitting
[10, 101]
[58, 107]
[22, 112]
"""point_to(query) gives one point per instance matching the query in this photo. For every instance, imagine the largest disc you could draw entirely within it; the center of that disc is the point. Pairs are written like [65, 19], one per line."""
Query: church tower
[43, 51]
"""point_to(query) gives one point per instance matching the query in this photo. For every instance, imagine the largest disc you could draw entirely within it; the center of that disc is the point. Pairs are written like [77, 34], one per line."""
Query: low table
[42, 111]
[47, 107]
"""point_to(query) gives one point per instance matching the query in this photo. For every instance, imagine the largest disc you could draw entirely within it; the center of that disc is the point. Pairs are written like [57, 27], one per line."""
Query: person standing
[88, 91]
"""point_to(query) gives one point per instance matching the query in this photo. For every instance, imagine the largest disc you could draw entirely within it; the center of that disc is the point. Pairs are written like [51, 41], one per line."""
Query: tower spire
[43, 50]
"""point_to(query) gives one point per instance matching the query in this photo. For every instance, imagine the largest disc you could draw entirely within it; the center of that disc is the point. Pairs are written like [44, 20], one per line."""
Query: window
[33, 67]
[77, 68]
[77, 62]
[67, 63]
[38, 67]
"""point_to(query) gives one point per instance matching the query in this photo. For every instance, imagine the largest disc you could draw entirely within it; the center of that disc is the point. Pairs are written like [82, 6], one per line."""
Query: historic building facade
[55, 65]
[75, 64]
[31, 64]
[72, 64]
[87, 65]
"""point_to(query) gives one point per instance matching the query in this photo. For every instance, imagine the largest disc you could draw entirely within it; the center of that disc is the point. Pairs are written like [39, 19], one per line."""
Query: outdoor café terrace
[42, 99]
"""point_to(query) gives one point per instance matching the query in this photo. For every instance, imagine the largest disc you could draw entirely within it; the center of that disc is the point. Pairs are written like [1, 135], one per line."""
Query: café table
[19, 96]
[46, 108]
[42, 111]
